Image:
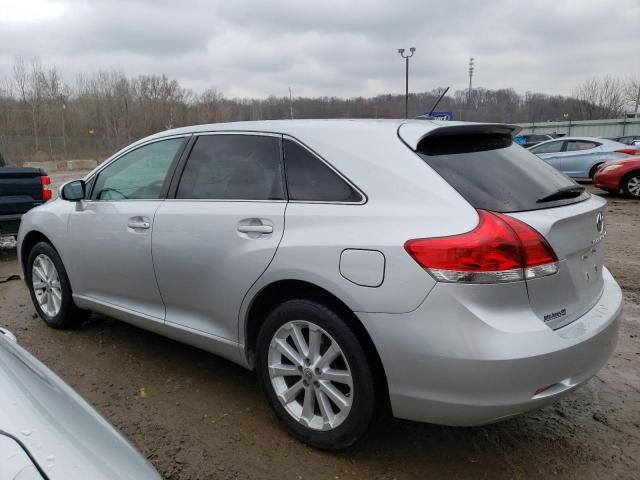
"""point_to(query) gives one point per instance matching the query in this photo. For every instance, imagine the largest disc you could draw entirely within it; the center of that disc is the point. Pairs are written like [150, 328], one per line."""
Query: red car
[617, 175]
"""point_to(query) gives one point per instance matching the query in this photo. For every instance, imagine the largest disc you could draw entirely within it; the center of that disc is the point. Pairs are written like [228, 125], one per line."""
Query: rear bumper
[9, 224]
[453, 362]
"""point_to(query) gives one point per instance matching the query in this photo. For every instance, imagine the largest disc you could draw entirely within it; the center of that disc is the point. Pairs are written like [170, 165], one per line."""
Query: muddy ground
[196, 416]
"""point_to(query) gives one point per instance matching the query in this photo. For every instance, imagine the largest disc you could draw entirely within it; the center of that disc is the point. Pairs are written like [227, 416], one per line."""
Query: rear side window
[233, 167]
[310, 179]
[578, 145]
[503, 179]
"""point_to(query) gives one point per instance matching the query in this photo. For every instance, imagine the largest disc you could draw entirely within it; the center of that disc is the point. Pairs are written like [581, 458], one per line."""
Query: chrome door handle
[255, 228]
[143, 225]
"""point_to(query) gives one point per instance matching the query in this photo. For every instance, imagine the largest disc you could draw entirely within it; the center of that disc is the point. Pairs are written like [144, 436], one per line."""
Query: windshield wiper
[571, 191]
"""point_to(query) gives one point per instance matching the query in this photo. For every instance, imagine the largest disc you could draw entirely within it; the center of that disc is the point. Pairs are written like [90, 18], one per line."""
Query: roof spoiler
[412, 133]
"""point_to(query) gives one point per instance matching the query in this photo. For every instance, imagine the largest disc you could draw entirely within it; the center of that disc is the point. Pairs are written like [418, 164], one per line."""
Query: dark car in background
[21, 189]
[633, 140]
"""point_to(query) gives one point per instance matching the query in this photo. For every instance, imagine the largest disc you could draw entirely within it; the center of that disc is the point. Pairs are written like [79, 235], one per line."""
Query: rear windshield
[497, 177]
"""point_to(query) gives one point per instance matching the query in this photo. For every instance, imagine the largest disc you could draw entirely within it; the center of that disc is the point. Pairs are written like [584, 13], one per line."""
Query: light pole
[471, 68]
[406, 84]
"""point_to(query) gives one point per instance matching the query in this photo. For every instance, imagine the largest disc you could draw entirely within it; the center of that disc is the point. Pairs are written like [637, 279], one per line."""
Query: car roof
[411, 131]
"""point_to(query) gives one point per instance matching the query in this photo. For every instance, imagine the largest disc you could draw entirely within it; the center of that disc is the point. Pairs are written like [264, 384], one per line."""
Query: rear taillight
[628, 151]
[499, 249]
[45, 181]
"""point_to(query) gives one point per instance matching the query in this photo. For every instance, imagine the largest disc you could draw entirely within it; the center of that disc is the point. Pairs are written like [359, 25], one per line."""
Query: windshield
[507, 179]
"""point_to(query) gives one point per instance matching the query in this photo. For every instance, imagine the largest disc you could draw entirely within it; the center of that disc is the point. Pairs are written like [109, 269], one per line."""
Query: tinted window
[551, 147]
[310, 179]
[233, 167]
[507, 179]
[139, 174]
[577, 145]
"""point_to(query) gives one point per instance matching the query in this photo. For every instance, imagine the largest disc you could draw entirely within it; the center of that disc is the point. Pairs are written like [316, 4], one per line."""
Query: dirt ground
[196, 416]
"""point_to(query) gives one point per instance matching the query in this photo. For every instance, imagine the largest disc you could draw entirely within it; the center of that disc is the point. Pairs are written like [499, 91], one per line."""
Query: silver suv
[435, 268]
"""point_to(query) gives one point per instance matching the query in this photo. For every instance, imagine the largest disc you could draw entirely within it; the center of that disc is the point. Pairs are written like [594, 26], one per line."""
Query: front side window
[310, 179]
[551, 147]
[233, 167]
[139, 174]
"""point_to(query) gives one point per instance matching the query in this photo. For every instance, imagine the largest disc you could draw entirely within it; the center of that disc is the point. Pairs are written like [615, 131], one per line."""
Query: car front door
[111, 231]
[220, 231]
[550, 152]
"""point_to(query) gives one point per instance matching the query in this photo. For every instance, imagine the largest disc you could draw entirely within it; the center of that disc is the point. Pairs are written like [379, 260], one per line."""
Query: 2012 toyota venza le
[435, 268]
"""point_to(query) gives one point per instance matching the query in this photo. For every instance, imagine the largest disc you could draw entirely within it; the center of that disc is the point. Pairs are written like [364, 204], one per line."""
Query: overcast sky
[329, 47]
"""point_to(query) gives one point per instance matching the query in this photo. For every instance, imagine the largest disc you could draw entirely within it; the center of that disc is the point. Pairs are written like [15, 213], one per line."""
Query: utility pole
[406, 77]
[471, 68]
[637, 99]
[290, 105]
[64, 136]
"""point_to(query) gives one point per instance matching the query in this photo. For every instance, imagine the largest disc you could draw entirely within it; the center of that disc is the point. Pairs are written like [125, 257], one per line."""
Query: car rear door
[221, 229]
[579, 157]
[110, 233]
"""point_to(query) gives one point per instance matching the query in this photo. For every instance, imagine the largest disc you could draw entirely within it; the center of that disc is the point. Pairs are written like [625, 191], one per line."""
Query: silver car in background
[431, 267]
[48, 432]
[580, 157]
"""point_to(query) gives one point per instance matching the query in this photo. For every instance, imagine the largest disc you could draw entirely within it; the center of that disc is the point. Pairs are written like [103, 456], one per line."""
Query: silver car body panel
[503, 353]
[15, 464]
[207, 274]
[66, 438]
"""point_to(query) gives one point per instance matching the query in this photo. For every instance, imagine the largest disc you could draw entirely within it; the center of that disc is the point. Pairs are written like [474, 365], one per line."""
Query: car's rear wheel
[50, 289]
[315, 374]
[631, 185]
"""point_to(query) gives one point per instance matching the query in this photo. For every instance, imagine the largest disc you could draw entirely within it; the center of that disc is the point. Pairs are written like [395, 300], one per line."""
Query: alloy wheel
[633, 186]
[46, 285]
[310, 375]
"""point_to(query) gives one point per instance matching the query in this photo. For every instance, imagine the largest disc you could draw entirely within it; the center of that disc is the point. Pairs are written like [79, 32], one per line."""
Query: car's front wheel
[631, 185]
[50, 289]
[315, 374]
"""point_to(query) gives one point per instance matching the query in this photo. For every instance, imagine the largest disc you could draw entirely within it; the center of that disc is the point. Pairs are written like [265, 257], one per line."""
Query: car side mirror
[73, 191]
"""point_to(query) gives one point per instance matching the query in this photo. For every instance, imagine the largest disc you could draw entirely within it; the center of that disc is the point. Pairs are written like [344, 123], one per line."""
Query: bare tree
[632, 91]
[106, 110]
[600, 98]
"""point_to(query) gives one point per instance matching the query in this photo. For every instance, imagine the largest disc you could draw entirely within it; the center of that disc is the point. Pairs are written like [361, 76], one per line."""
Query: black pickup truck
[20, 190]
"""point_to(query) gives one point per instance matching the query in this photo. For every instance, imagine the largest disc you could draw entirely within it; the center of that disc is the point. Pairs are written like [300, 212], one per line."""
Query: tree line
[43, 117]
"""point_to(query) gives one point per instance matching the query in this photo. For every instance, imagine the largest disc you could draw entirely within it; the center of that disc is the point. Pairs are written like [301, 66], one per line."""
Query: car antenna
[435, 105]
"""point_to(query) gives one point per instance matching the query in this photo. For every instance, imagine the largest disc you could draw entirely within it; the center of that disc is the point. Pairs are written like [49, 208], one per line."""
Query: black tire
[69, 315]
[628, 185]
[359, 418]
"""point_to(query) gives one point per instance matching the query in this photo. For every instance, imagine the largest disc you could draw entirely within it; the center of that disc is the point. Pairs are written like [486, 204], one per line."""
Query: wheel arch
[594, 167]
[28, 242]
[627, 175]
[280, 291]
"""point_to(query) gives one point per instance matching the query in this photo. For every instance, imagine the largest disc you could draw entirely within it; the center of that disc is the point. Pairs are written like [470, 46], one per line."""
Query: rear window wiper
[571, 191]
